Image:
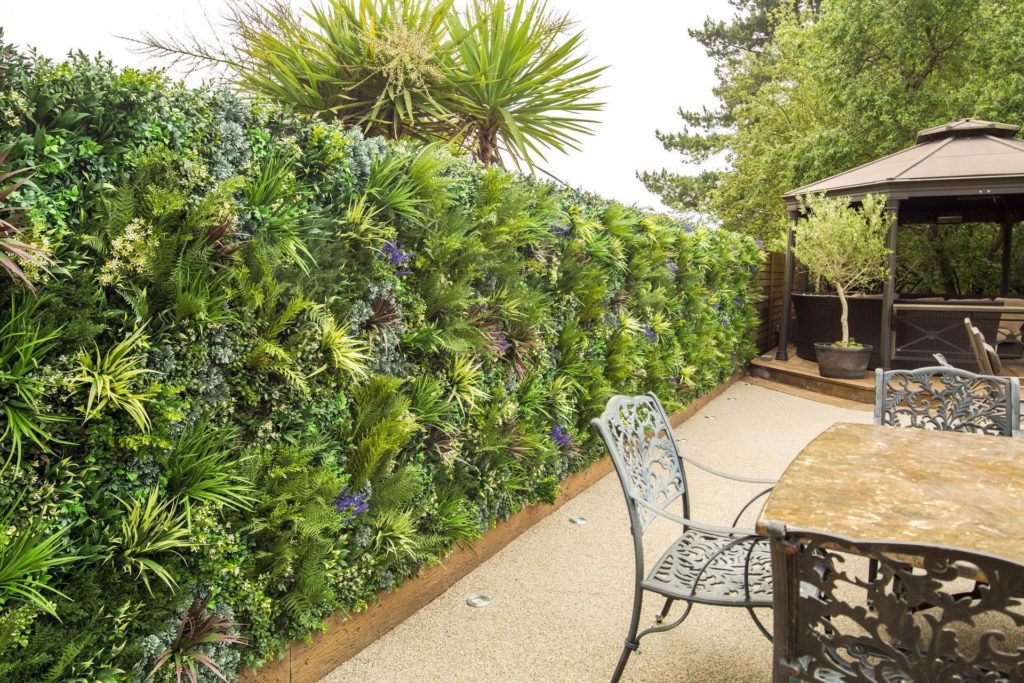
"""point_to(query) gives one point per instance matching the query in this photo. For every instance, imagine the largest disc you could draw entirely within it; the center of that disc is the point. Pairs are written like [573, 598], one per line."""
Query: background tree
[837, 86]
[737, 48]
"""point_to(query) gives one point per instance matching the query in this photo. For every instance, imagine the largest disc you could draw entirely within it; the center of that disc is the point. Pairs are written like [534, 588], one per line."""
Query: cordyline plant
[11, 223]
[522, 85]
[844, 244]
[506, 79]
[186, 654]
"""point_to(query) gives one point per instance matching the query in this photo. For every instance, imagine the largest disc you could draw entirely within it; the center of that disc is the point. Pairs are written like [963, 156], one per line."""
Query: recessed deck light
[577, 520]
[478, 600]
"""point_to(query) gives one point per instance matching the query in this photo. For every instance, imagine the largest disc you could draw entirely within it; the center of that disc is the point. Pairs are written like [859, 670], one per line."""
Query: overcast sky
[655, 68]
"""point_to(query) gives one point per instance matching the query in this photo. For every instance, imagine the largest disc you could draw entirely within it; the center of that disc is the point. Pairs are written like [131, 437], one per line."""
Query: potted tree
[845, 245]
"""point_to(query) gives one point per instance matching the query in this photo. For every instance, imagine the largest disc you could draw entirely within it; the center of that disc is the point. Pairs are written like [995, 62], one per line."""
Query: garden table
[871, 483]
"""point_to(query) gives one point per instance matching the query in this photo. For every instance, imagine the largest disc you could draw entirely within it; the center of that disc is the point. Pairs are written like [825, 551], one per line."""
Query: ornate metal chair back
[918, 619]
[948, 399]
[638, 435]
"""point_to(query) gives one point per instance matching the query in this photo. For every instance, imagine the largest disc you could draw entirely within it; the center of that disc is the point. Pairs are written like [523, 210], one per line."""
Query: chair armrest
[699, 526]
[725, 475]
[749, 503]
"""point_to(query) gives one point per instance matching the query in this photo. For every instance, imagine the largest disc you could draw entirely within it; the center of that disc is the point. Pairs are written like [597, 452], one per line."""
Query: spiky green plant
[347, 354]
[23, 345]
[25, 560]
[201, 467]
[147, 533]
[111, 379]
[381, 66]
[522, 87]
[464, 379]
[281, 221]
[503, 79]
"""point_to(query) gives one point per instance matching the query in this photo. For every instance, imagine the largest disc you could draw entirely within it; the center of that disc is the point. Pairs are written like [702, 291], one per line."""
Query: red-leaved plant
[196, 628]
[11, 224]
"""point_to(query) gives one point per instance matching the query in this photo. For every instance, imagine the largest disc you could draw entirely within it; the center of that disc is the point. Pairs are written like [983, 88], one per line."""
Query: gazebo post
[889, 287]
[1007, 251]
[787, 295]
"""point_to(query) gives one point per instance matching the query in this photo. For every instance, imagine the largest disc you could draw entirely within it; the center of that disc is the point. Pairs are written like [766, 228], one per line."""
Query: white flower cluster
[14, 105]
[130, 252]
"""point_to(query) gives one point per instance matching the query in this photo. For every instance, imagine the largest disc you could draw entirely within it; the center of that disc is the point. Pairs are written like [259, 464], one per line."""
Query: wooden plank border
[347, 635]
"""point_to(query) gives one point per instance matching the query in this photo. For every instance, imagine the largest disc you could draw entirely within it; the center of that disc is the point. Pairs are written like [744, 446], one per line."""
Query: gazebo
[965, 171]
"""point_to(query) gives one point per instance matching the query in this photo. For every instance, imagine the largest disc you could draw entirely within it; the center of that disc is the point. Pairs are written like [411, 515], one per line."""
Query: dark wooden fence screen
[771, 282]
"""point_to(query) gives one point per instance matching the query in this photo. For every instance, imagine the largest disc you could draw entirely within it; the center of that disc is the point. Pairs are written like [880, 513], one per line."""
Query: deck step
[798, 372]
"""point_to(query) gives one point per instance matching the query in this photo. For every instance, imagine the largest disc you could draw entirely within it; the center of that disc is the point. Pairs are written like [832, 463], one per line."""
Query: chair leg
[631, 642]
[664, 610]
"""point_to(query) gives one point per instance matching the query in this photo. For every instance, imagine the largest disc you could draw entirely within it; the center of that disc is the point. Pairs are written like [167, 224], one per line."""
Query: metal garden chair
[706, 564]
[919, 626]
[948, 399]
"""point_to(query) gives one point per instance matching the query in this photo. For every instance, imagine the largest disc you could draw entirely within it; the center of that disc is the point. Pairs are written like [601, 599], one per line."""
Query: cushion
[1012, 322]
[993, 358]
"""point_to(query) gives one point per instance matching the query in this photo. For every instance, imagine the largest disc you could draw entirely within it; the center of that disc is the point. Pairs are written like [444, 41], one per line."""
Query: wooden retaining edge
[346, 635]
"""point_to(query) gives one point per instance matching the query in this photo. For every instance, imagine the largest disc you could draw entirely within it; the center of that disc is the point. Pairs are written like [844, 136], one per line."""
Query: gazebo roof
[965, 159]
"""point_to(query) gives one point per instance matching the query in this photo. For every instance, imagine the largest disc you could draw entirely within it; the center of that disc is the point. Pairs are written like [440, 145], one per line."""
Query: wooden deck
[804, 374]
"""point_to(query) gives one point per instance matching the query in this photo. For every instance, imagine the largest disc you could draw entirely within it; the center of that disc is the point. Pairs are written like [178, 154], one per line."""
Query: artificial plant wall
[271, 368]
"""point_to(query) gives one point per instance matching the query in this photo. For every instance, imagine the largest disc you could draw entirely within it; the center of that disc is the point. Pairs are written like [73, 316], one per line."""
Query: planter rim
[831, 345]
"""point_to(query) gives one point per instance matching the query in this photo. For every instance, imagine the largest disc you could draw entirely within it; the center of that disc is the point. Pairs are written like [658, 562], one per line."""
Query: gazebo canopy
[967, 170]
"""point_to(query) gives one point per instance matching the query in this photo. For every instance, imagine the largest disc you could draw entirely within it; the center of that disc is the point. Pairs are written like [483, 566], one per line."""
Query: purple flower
[351, 504]
[759, 242]
[650, 334]
[718, 306]
[563, 231]
[396, 256]
[738, 301]
[501, 342]
[672, 266]
[689, 228]
[560, 436]
[723, 320]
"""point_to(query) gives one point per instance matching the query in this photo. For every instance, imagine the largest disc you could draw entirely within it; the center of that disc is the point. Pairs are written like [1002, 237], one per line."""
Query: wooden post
[787, 299]
[1004, 288]
[889, 289]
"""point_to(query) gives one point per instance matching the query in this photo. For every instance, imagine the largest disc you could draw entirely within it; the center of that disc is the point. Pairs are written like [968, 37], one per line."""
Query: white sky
[655, 68]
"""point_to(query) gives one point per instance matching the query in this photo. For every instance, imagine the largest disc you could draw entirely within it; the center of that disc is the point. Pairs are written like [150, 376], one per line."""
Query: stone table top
[874, 483]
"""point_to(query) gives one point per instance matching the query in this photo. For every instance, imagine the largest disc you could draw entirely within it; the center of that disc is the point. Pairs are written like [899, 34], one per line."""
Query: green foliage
[306, 363]
[148, 533]
[200, 468]
[807, 90]
[111, 378]
[381, 427]
[843, 244]
[22, 348]
[295, 529]
[25, 560]
[501, 79]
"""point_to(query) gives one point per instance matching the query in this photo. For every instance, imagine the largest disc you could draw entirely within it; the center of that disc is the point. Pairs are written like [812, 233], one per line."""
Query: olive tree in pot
[846, 246]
